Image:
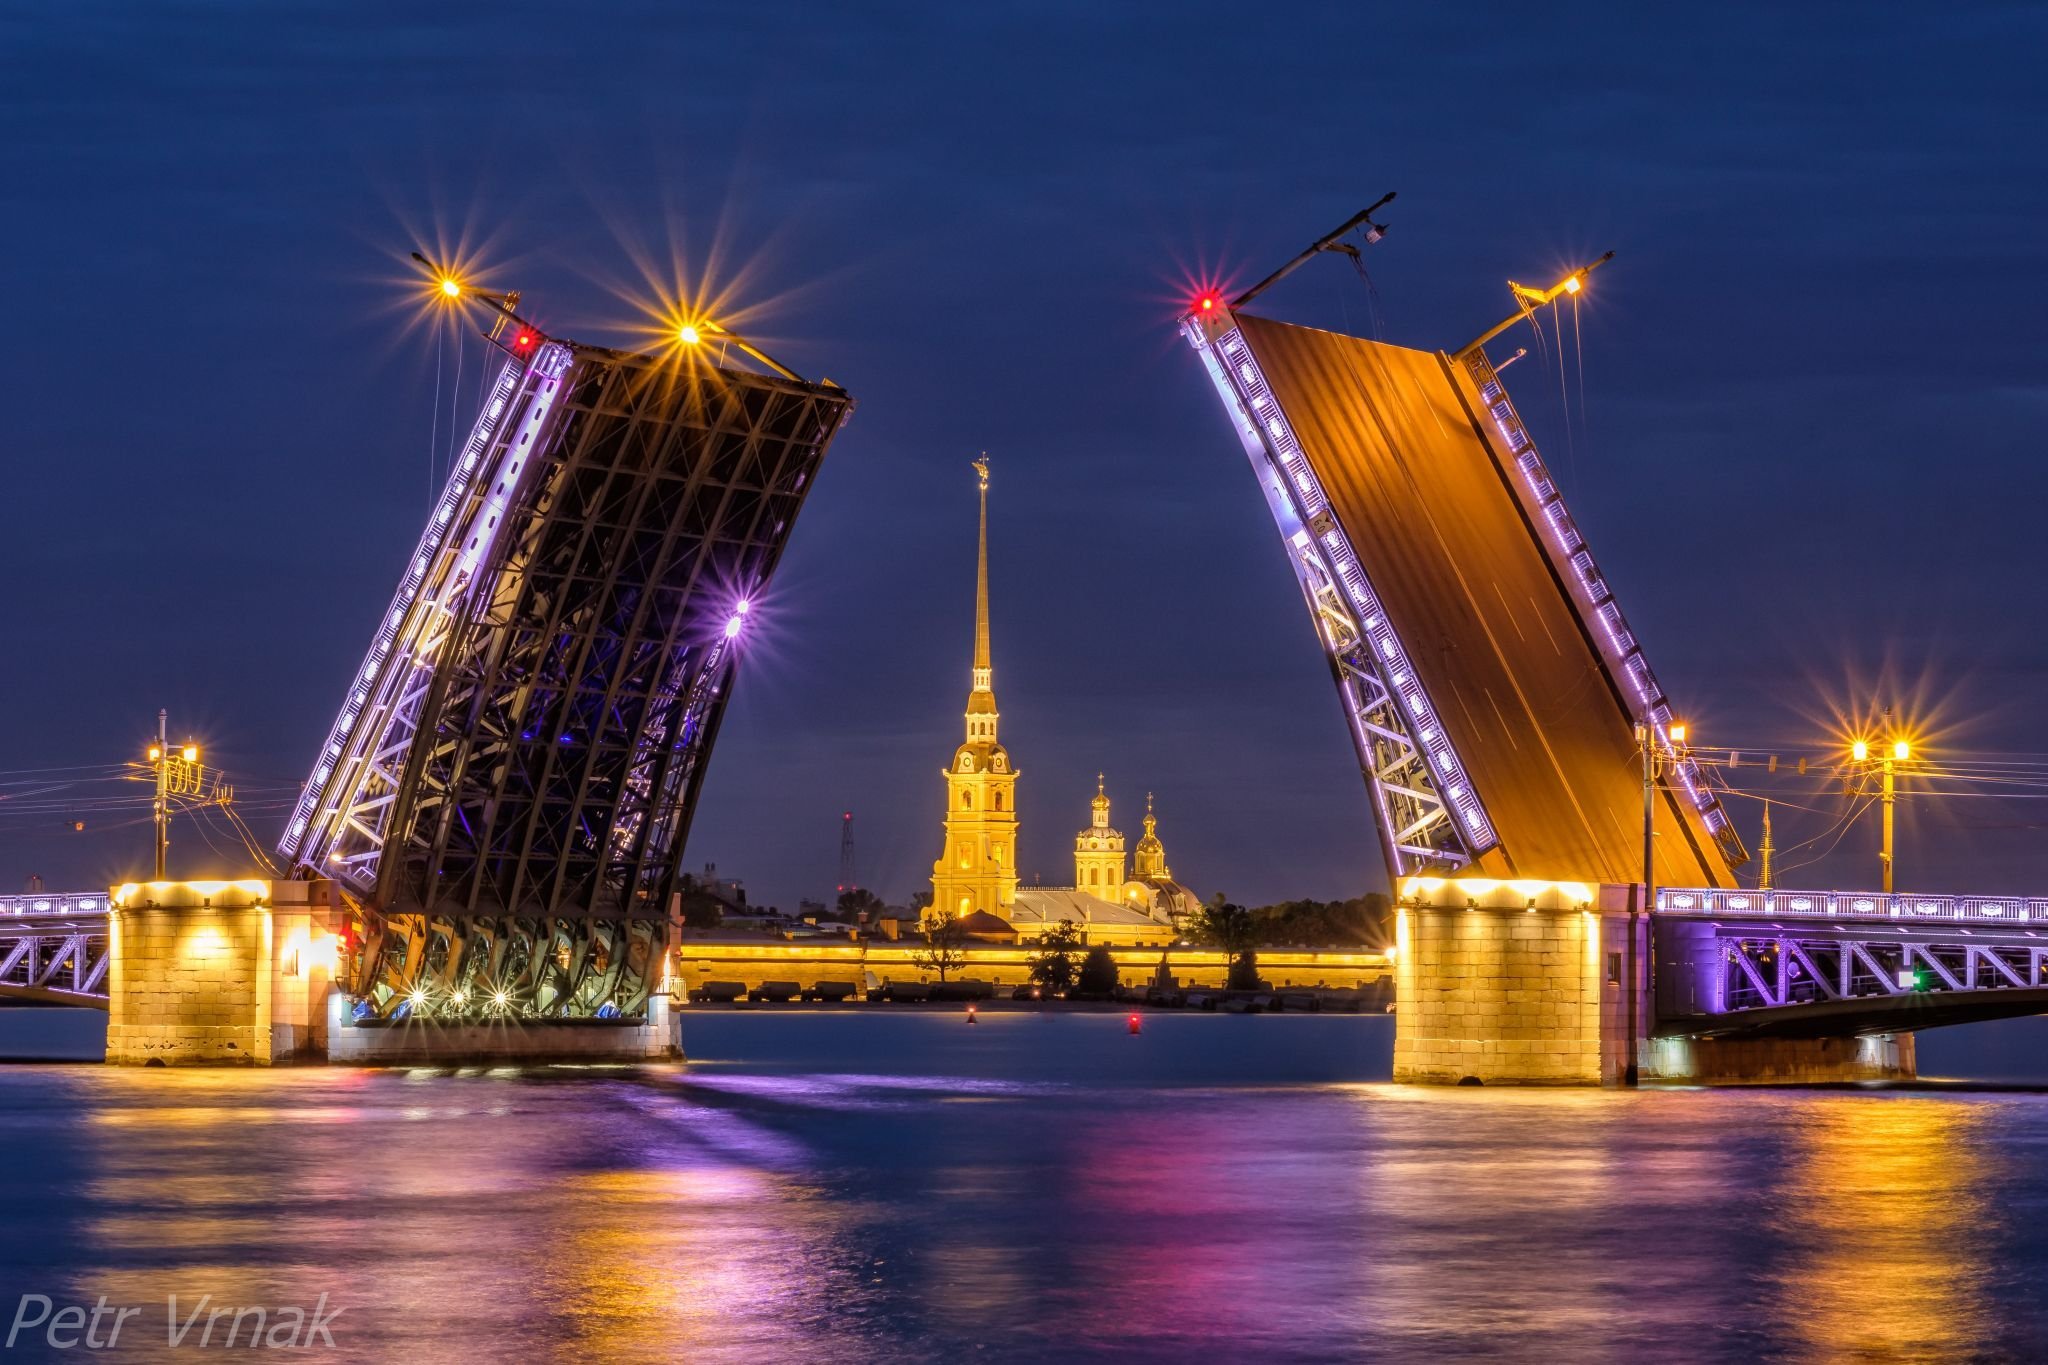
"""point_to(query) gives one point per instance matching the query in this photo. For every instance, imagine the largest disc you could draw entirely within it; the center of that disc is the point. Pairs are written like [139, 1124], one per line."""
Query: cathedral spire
[982, 667]
[981, 701]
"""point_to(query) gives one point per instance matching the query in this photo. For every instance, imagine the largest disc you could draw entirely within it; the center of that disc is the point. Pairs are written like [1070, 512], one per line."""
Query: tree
[1053, 965]
[945, 945]
[1098, 972]
[700, 909]
[859, 901]
[1360, 922]
[1236, 931]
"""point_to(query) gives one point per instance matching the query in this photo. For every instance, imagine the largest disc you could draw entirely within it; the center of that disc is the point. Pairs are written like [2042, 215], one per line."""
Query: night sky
[1805, 437]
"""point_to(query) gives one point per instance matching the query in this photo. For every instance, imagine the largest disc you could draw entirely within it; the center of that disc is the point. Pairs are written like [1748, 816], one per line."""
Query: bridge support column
[1515, 983]
[1780, 1061]
[219, 972]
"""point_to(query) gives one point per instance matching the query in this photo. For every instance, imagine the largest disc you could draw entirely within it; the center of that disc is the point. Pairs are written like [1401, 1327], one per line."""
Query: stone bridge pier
[1526, 983]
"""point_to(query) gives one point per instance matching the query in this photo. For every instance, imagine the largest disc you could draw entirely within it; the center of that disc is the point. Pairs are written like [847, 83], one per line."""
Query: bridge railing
[1853, 905]
[54, 903]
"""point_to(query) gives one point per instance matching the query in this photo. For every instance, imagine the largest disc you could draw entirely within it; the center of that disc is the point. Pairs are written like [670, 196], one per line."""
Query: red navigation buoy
[970, 1013]
[1134, 1024]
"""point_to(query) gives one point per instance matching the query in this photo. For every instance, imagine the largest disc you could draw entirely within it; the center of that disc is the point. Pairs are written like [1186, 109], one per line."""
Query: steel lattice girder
[54, 959]
[510, 799]
[1769, 971]
[1418, 830]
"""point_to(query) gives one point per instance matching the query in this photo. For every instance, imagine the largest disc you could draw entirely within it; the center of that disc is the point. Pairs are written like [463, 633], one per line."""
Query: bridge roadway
[53, 949]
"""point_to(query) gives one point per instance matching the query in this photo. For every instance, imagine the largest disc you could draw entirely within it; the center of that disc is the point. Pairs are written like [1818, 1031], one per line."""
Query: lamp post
[174, 773]
[1895, 755]
[1646, 741]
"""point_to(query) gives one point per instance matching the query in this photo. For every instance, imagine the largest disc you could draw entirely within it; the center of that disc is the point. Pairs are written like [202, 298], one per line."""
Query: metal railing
[1908, 907]
[54, 903]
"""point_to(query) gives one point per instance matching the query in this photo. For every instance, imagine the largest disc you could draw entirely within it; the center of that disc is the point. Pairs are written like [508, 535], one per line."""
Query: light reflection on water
[1033, 1196]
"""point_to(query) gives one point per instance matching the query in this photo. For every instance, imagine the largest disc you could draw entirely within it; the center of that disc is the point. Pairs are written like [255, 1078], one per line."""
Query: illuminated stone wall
[218, 972]
[1499, 992]
[752, 963]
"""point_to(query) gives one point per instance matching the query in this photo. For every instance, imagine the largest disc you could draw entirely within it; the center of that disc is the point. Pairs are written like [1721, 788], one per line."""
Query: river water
[864, 1185]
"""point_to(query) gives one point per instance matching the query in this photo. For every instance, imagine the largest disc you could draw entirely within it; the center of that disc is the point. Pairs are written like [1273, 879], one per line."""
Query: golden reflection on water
[1885, 1217]
[682, 1262]
[626, 1229]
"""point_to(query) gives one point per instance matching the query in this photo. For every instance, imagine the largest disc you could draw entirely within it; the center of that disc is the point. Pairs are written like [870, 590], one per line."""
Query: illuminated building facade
[505, 795]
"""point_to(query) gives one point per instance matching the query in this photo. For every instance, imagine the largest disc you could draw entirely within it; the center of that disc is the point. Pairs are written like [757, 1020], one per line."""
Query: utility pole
[1763, 879]
[176, 774]
[1646, 740]
[1890, 790]
[159, 755]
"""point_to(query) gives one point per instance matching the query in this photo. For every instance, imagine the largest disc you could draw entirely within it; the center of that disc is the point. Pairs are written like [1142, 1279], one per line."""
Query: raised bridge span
[1500, 705]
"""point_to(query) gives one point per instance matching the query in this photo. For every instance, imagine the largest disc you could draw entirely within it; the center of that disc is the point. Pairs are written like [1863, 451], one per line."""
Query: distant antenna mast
[846, 881]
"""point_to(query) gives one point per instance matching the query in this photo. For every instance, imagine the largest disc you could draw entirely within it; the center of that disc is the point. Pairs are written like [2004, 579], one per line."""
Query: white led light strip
[1990, 911]
[467, 519]
[1295, 490]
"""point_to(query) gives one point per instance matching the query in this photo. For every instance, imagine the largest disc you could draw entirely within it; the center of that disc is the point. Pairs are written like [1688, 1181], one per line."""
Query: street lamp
[1895, 755]
[175, 773]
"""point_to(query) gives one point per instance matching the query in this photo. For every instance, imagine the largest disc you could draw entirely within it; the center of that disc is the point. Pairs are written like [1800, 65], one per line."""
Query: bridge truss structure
[507, 789]
[1794, 962]
[55, 955]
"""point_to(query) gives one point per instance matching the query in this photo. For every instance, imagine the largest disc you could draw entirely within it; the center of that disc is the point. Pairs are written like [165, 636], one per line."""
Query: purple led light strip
[1237, 374]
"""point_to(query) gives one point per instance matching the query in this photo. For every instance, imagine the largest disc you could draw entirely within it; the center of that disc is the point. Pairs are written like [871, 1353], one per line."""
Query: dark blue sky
[1809, 452]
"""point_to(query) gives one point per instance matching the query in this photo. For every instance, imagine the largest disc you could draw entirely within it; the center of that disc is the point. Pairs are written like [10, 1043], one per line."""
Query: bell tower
[1099, 852]
[977, 867]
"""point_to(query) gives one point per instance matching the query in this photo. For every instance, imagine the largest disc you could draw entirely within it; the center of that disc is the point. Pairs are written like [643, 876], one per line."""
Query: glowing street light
[450, 287]
[736, 622]
[688, 334]
[176, 774]
[1528, 299]
[1900, 751]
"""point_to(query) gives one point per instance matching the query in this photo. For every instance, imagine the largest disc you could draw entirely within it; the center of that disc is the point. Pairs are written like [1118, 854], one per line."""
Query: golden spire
[981, 654]
[981, 698]
[1150, 858]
